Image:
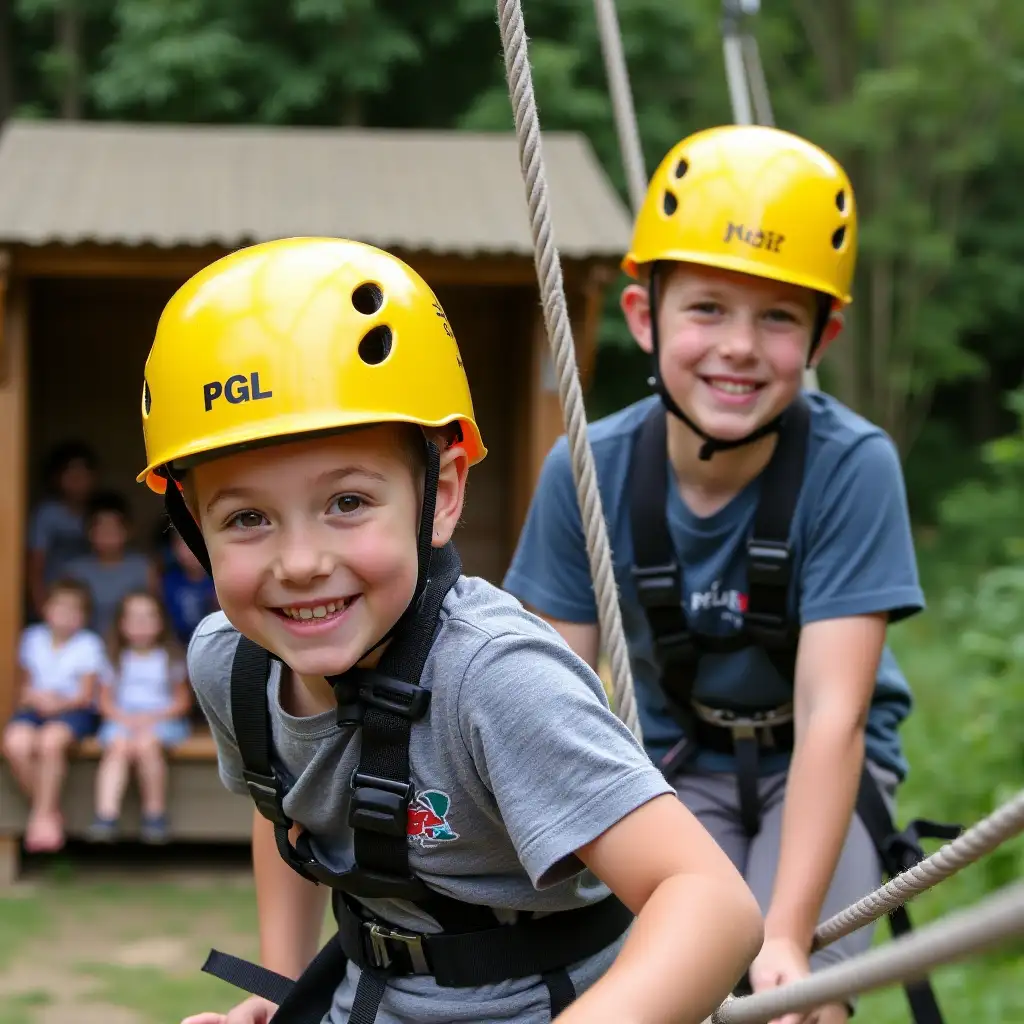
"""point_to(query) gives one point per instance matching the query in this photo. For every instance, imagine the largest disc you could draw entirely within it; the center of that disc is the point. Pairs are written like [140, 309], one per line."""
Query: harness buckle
[751, 725]
[769, 563]
[658, 586]
[380, 952]
[266, 795]
[379, 805]
[394, 695]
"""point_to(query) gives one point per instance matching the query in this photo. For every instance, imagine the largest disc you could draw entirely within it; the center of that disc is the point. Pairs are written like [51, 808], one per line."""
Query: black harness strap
[740, 731]
[659, 583]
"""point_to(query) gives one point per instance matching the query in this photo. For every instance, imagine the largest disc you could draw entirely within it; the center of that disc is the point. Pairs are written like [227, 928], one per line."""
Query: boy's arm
[835, 678]
[698, 926]
[290, 908]
[859, 574]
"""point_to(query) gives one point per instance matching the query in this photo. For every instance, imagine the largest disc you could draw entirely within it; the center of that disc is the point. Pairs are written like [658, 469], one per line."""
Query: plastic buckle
[380, 805]
[266, 794]
[380, 953]
[769, 563]
[394, 695]
[658, 586]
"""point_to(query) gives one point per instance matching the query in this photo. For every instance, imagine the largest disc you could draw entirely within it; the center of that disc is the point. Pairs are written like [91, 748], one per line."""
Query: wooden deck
[200, 809]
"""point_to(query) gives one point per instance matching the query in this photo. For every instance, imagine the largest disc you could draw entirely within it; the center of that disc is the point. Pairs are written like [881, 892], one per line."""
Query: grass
[120, 942]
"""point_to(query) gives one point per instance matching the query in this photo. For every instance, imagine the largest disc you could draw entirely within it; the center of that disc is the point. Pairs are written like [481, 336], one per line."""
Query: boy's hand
[780, 962]
[255, 1010]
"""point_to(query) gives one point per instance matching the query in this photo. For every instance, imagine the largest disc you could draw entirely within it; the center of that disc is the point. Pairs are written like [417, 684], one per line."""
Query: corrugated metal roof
[445, 192]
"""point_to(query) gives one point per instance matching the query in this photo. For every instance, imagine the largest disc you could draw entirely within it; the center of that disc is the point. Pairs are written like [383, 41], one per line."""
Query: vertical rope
[559, 330]
[626, 124]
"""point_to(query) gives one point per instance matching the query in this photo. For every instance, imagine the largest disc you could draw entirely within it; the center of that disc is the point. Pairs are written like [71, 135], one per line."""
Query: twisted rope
[1003, 824]
[559, 331]
[990, 922]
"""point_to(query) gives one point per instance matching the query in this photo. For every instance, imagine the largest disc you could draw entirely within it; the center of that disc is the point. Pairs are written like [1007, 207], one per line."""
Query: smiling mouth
[318, 612]
[733, 387]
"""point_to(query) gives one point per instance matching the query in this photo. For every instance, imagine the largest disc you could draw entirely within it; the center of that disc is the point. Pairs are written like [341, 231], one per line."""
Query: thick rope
[622, 101]
[975, 843]
[559, 330]
[990, 922]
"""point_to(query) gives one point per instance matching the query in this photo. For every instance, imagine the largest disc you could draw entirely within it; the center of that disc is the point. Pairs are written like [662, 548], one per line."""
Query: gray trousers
[714, 799]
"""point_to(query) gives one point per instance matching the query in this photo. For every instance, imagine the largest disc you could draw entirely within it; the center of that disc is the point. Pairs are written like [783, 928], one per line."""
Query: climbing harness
[473, 949]
[741, 731]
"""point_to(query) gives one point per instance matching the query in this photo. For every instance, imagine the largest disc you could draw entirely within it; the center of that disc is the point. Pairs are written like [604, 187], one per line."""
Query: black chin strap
[655, 381]
[181, 519]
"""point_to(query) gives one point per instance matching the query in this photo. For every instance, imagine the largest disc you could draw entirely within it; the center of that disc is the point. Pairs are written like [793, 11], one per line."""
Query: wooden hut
[100, 222]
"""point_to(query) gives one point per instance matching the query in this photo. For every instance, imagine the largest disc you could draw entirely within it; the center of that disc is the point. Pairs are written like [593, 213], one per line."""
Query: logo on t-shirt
[428, 818]
[730, 604]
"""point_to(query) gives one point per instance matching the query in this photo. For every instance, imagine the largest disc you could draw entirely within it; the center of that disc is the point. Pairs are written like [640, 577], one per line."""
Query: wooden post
[13, 403]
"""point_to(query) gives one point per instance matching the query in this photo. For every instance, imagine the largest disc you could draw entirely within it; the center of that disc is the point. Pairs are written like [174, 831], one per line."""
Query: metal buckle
[747, 726]
[381, 934]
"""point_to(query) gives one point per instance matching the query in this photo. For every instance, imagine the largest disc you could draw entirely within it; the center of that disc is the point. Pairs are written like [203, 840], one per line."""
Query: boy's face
[64, 613]
[313, 543]
[108, 534]
[732, 347]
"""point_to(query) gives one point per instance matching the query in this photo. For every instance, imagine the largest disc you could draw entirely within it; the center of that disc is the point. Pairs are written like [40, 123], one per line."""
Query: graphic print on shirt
[730, 604]
[428, 819]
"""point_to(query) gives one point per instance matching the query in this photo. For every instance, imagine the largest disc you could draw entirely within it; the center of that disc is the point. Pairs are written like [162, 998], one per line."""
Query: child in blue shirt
[742, 258]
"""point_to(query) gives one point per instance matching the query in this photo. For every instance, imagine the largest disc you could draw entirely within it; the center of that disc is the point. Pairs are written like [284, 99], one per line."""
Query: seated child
[144, 701]
[110, 570]
[412, 738]
[59, 665]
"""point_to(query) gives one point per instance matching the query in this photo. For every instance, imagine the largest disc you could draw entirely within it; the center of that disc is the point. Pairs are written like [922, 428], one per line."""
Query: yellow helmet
[299, 335]
[752, 199]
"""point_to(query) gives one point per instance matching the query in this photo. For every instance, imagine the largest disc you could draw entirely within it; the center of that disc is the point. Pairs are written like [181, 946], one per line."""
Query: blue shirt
[853, 554]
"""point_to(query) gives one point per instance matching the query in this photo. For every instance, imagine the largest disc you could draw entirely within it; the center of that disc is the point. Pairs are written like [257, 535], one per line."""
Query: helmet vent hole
[837, 237]
[376, 345]
[669, 203]
[367, 299]
[147, 398]
[841, 200]
[681, 168]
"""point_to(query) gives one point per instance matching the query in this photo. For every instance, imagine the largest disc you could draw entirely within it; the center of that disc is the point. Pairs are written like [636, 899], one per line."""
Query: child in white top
[59, 665]
[144, 700]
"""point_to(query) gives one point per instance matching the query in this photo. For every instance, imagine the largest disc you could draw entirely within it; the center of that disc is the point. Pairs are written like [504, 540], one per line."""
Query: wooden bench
[200, 809]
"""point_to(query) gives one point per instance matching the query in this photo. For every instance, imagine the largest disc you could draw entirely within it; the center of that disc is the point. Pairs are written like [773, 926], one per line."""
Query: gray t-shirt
[108, 582]
[518, 764]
